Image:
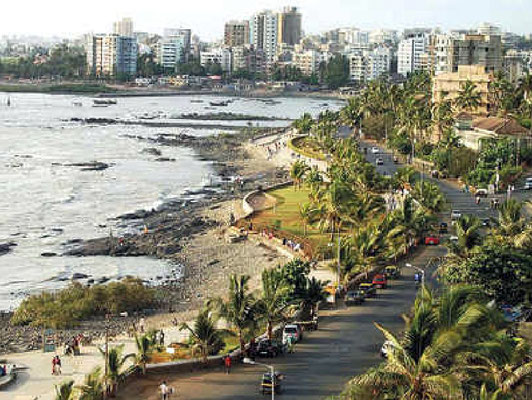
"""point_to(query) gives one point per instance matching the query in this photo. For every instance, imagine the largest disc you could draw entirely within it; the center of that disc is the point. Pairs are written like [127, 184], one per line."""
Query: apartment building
[485, 50]
[411, 53]
[307, 61]
[123, 27]
[366, 65]
[173, 48]
[111, 55]
[220, 55]
[264, 31]
[447, 86]
[289, 26]
[236, 33]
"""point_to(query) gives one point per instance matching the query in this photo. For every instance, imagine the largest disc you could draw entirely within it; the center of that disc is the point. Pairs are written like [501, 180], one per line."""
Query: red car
[432, 241]
[380, 281]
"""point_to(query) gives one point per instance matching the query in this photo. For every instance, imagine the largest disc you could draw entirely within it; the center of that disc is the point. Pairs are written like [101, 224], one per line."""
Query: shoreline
[191, 233]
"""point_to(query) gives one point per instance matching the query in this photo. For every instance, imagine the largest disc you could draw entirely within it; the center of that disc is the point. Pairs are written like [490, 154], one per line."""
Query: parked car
[453, 239]
[528, 183]
[379, 161]
[380, 281]
[443, 228]
[456, 214]
[268, 349]
[354, 297]
[292, 330]
[368, 289]
[481, 193]
[392, 272]
[395, 160]
[375, 150]
[486, 222]
[432, 241]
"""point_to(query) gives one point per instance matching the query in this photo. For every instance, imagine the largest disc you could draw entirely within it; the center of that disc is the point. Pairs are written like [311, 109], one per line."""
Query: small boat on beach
[223, 103]
[196, 101]
[107, 102]
[77, 103]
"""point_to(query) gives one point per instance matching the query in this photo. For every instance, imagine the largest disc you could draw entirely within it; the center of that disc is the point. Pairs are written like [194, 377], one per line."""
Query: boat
[77, 103]
[100, 105]
[196, 101]
[105, 101]
[219, 103]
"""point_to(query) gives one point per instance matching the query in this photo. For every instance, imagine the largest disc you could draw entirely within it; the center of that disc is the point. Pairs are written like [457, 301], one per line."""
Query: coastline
[190, 233]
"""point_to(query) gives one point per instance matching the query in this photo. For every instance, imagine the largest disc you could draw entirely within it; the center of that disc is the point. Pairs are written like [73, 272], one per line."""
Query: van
[292, 330]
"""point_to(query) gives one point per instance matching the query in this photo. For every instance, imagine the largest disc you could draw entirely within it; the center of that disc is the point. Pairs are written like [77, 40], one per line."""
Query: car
[456, 214]
[528, 184]
[379, 161]
[368, 289]
[292, 330]
[354, 297]
[375, 150]
[486, 222]
[443, 228]
[395, 160]
[453, 239]
[380, 281]
[432, 241]
[481, 193]
[268, 349]
[386, 347]
[392, 272]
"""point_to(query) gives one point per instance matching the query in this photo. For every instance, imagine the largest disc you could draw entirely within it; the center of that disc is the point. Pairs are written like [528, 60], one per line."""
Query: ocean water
[44, 203]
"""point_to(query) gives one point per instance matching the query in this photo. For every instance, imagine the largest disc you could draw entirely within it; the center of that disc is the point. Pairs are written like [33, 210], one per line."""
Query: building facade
[365, 66]
[289, 26]
[123, 27]
[485, 50]
[220, 55]
[236, 33]
[264, 29]
[410, 55]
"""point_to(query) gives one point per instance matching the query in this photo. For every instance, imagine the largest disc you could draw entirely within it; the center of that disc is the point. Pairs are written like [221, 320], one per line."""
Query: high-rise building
[263, 30]
[485, 50]
[112, 55]
[307, 61]
[236, 33]
[381, 36]
[220, 55]
[410, 56]
[123, 27]
[289, 26]
[353, 36]
[368, 65]
[439, 53]
[488, 29]
[173, 48]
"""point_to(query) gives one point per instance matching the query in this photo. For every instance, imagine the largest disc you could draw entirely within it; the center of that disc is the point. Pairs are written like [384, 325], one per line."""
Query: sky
[70, 18]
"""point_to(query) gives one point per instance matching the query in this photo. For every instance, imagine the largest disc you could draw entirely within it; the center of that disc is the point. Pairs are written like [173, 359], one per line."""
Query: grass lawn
[307, 146]
[285, 215]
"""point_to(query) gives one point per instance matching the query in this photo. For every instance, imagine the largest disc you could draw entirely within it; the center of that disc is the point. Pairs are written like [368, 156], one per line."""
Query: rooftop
[500, 126]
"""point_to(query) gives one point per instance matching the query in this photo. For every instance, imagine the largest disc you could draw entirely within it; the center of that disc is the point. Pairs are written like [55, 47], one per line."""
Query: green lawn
[285, 215]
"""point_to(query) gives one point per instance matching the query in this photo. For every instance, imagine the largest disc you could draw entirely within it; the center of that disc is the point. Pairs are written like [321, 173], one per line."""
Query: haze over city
[206, 18]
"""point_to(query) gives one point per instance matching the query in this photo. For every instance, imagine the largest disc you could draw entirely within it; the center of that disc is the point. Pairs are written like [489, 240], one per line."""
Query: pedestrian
[141, 324]
[164, 390]
[161, 338]
[228, 362]
[58, 365]
[54, 361]
[477, 199]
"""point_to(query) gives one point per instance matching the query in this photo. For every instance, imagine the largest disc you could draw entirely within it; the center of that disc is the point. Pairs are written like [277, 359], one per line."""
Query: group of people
[293, 245]
[73, 346]
[494, 204]
[274, 148]
[3, 370]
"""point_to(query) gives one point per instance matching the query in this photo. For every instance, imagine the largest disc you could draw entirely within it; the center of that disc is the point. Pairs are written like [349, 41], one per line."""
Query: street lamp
[249, 361]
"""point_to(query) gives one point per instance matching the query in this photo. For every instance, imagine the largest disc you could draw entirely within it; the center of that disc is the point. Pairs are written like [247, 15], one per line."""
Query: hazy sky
[207, 17]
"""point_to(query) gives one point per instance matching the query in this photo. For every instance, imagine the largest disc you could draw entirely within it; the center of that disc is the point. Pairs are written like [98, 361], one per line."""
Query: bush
[69, 306]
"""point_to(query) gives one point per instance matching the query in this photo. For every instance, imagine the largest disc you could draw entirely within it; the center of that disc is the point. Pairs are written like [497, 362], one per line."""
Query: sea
[45, 202]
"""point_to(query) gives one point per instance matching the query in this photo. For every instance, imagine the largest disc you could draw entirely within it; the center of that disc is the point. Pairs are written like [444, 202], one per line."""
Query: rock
[78, 275]
[152, 151]
[48, 254]
[6, 247]
[165, 159]
[90, 166]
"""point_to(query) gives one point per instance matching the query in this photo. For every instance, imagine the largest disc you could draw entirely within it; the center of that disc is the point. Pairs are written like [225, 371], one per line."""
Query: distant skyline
[66, 18]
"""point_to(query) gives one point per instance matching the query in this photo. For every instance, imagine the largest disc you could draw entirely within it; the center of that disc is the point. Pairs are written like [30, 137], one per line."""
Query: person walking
[165, 390]
[228, 362]
[161, 338]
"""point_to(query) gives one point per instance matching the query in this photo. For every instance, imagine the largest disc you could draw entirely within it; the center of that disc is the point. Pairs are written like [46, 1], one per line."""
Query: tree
[92, 387]
[273, 301]
[239, 308]
[469, 237]
[204, 334]
[409, 223]
[442, 117]
[116, 362]
[65, 391]
[337, 72]
[469, 99]
[313, 292]
[332, 205]
[303, 125]
[297, 172]
[307, 215]
[144, 345]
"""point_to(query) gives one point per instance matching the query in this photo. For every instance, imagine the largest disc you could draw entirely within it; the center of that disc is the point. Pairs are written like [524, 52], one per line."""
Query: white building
[365, 66]
[411, 55]
[123, 27]
[488, 29]
[440, 48]
[263, 31]
[220, 55]
[173, 48]
[380, 36]
[353, 36]
[307, 61]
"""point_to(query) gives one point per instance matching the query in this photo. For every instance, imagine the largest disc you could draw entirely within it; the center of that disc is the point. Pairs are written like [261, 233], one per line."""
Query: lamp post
[249, 361]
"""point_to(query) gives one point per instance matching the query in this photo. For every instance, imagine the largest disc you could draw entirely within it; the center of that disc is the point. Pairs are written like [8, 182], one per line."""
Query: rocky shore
[188, 232]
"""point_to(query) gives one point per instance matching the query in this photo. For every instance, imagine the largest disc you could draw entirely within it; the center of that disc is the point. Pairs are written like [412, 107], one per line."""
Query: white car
[379, 161]
[528, 184]
[375, 150]
[386, 347]
[294, 331]
[456, 214]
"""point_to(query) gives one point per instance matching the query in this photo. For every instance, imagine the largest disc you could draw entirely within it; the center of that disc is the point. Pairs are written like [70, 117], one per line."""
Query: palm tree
[204, 334]
[298, 171]
[409, 224]
[304, 124]
[273, 302]
[313, 292]
[332, 205]
[65, 391]
[92, 387]
[442, 117]
[469, 98]
[510, 221]
[429, 195]
[116, 362]
[239, 309]
[351, 114]
[468, 233]
[313, 178]
[144, 345]
[307, 213]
